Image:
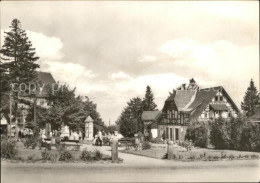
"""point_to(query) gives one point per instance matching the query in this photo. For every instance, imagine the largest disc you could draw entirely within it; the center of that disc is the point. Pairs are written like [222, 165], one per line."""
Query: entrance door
[176, 134]
[171, 132]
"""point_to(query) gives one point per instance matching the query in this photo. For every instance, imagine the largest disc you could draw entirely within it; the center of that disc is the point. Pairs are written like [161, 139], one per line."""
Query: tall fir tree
[18, 55]
[130, 121]
[18, 62]
[148, 101]
[251, 100]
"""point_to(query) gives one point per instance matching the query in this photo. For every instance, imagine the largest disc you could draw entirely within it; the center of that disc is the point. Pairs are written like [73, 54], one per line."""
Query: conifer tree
[17, 62]
[251, 100]
[18, 55]
[148, 101]
[130, 121]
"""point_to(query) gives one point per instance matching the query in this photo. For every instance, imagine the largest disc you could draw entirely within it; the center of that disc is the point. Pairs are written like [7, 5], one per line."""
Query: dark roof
[181, 97]
[45, 81]
[45, 77]
[201, 101]
[150, 115]
[195, 101]
[219, 107]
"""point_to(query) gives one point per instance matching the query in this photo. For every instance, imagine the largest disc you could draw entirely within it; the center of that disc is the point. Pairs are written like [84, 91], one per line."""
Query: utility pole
[34, 109]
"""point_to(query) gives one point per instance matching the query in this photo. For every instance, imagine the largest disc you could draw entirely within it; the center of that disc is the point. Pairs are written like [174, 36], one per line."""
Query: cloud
[119, 75]
[47, 48]
[147, 58]
[217, 58]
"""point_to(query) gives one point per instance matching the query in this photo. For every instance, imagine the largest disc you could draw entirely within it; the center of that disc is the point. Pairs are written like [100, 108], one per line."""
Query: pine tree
[18, 55]
[148, 101]
[130, 121]
[18, 62]
[251, 100]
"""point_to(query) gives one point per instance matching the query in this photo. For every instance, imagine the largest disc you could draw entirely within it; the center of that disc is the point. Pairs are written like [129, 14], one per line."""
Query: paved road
[134, 169]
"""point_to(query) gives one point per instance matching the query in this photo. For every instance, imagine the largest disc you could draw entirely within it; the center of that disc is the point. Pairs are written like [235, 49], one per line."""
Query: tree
[148, 101]
[251, 100]
[130, 121]
[65, 108]
[18, 62]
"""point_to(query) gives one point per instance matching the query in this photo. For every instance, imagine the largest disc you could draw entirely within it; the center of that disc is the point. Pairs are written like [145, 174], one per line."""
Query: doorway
[176, 134]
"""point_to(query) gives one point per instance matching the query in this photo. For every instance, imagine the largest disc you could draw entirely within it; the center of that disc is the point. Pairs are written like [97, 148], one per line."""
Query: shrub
[86, 155]
[254, 156]
[32, 141]
[97, 155]
[157, 140]
[45, 155]
[146, 145]
[231, 156]
[198, 134]
[250, 138]
[66, 155]
[8, 149]
[223, 155]
[31, 157]
[186, 144]
[220, 133]
[48, 155]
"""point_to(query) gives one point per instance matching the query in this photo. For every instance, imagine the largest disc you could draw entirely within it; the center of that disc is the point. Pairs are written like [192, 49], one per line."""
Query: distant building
[43, 82]
[191, 103]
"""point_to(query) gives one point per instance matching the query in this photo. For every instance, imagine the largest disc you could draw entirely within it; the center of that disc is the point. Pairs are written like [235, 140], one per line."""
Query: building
[187, 104]
[150, 119]
[43, 83]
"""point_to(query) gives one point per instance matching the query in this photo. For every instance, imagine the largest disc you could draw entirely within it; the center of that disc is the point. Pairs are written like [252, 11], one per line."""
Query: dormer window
[216, 98]
[221, 98]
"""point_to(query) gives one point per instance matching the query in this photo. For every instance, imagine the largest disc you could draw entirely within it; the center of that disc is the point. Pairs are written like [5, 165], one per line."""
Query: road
[133, 169]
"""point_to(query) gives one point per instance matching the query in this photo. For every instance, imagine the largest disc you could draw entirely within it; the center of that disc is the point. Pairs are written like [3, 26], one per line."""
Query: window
[206, 115]
[229, 114]
[221, 98]
[216, 98]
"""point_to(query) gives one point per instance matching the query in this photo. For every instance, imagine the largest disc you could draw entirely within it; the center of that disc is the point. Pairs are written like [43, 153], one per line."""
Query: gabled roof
[195, 101]
[45, 77]
[150, 115]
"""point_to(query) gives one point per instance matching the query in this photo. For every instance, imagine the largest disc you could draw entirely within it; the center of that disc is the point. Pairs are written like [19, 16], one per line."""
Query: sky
[111, 50]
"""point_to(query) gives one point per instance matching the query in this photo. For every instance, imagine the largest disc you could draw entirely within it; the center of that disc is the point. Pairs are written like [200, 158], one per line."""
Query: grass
[196, 154]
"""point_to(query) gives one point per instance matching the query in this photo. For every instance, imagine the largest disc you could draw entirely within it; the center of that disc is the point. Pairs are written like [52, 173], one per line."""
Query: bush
[146, 145]
[157, 140]
[197, 132]
[250, 138]
[66, 155]
[86, 155]
[48, 155]
[220, 133]
[97, 155]
[8, 149]
[31, 157]
[186, 144]
[32, 141]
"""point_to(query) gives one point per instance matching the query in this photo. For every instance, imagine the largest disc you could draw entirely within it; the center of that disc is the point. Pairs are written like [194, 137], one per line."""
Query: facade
[43, 82]
[188, 104]
[150, 119]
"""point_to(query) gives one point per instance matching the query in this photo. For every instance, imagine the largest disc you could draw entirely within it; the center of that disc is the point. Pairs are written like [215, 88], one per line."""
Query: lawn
[196, 154]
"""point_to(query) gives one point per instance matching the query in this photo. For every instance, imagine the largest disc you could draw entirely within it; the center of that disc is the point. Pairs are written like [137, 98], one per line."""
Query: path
[133, 169]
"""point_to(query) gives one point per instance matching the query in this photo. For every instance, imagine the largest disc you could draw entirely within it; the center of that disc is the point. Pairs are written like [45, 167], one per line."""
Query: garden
[221, 139]
[18, 151]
